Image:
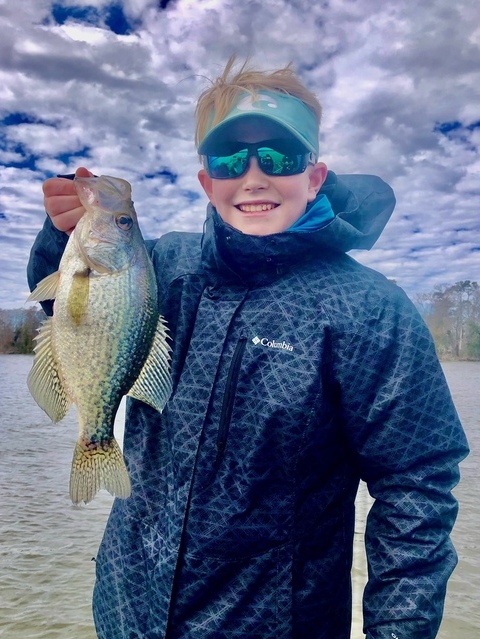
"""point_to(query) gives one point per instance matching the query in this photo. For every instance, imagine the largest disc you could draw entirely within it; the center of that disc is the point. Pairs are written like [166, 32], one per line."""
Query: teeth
[255, 208]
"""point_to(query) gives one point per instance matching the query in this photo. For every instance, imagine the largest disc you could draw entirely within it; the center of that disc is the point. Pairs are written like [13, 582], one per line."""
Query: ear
[207, 184]
[318, 174]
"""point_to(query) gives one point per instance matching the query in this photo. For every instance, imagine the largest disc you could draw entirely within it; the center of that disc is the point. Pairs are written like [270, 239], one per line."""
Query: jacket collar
[251, 258]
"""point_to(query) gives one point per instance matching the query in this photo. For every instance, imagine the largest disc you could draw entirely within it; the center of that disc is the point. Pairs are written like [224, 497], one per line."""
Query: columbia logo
[283, 346]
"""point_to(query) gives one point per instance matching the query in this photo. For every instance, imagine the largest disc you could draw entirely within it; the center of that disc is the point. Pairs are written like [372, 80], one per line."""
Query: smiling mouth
[256, 208]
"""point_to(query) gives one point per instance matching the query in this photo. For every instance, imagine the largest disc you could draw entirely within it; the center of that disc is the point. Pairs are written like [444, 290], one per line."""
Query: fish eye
[124, 222]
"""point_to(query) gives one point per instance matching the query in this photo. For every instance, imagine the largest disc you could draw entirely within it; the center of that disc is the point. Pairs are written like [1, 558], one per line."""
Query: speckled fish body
[105, 339]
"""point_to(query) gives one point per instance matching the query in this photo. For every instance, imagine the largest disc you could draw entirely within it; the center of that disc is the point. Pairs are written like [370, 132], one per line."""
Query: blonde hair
[220, 97]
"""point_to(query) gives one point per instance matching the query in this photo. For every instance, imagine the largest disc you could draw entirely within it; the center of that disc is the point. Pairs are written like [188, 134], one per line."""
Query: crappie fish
[105, 338]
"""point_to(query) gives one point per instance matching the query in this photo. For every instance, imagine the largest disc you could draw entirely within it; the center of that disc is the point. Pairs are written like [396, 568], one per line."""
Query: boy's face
[256, 203]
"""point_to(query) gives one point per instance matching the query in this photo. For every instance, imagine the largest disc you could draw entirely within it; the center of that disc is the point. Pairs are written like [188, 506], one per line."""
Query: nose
[254, 178]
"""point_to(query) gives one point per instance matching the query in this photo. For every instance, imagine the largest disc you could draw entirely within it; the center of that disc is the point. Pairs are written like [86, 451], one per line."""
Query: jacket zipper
[228, 399]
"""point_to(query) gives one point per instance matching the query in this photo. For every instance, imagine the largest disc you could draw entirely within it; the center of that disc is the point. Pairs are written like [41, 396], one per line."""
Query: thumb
[83, 172]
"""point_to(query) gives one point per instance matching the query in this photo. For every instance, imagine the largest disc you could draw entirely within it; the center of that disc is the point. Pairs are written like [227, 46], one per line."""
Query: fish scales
[105, 339]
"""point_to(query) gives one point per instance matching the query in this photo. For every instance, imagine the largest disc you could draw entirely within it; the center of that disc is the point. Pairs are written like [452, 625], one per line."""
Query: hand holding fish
[61, 201]
[106, 338]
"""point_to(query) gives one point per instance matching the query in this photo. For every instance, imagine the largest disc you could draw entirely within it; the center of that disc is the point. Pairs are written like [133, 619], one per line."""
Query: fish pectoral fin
[154, 384]
[44, 381]
[98, 465]
[46, 289]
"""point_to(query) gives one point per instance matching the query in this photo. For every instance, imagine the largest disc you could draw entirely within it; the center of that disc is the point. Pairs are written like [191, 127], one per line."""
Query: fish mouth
[256, 207]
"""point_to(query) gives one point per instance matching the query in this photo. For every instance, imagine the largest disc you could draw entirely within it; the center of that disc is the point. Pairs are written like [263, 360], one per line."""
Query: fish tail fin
[98, 465]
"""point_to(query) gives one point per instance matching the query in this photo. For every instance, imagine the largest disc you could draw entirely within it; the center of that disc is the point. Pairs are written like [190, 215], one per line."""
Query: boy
[296, 372]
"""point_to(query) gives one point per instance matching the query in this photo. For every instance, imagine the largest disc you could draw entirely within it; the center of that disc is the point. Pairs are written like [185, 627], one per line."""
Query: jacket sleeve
[45, 257]
[407, 440]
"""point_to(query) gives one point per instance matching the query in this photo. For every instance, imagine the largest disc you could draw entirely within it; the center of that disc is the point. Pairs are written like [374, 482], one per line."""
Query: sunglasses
[274, 157]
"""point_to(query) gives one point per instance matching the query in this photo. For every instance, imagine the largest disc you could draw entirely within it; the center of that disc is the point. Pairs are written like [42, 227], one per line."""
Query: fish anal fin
[154, 384]
[46, 289]
[44, 382]
[98, 465]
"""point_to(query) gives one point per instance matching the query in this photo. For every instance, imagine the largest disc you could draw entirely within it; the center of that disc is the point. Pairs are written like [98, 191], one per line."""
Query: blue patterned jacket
[296, 372]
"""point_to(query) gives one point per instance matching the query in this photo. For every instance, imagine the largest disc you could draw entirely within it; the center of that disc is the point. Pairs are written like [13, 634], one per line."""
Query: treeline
[18, 327]
[452, 314]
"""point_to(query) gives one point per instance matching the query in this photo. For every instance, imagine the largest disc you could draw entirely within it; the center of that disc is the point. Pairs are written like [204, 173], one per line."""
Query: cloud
[112, 86]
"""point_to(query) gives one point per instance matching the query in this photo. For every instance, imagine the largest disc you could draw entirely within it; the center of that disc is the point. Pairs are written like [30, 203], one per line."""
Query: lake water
[47, 544]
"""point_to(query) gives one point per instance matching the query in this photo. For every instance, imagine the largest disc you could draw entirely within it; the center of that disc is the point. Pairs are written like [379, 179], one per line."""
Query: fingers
[61, 201]
[58, 186]
[83, 172]
[64, 211]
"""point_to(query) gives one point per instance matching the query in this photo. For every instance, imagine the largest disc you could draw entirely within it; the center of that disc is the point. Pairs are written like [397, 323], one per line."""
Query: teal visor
[290, 113]
[274, 157]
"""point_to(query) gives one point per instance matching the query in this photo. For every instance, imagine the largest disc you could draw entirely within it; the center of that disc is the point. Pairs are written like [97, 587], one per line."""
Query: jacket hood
[362, 204]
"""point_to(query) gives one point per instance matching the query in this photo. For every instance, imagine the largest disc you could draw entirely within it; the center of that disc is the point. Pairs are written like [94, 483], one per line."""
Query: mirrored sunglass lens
[227, 166]
[276, 163]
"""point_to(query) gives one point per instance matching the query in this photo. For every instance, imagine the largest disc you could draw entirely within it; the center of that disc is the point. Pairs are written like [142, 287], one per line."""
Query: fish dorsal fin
[46, 289]
[44, 380]
[154, 384]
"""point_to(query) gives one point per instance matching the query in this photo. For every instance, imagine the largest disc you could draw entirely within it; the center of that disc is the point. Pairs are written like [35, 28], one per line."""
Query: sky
[113, 86]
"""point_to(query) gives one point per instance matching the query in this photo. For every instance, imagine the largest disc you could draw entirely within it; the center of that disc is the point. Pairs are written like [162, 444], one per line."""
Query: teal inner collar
[317, 214]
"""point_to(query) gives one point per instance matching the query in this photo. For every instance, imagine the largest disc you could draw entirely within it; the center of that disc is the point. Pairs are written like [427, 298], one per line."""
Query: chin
[254, 225]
